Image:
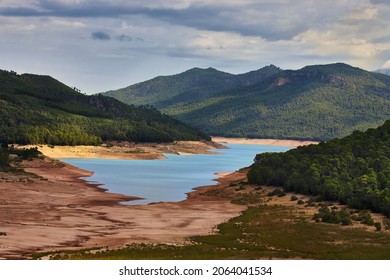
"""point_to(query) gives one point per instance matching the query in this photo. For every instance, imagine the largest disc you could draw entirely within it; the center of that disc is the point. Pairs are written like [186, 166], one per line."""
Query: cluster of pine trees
[354, 170]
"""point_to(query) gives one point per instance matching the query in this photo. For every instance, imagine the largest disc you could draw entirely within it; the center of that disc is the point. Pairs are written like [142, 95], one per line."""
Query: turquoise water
[169, 179]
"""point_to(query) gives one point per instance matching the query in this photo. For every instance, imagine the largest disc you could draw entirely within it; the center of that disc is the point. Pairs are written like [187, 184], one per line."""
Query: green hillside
[173, 93]
[354, 170]
[39, 109]
[316, 102]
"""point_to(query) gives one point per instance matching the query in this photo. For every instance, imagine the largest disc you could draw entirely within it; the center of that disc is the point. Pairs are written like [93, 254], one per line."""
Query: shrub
[332, 216]
[281, 194]
[27, 153]
[277, 192]
[386, 223]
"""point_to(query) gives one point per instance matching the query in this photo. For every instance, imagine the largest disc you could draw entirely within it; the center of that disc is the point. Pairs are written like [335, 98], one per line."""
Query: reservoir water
[171, 178]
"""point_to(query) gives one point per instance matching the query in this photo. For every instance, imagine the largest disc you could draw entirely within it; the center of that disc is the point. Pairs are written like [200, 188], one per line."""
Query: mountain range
[39, 109]
[318, 102]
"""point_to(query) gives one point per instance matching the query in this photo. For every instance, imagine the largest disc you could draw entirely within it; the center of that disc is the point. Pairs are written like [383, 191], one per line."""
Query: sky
[100, 45]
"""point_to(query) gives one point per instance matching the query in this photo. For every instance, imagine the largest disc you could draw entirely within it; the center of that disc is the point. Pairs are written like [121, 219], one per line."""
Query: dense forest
[318, 102]
[354, 170]
[39, 109]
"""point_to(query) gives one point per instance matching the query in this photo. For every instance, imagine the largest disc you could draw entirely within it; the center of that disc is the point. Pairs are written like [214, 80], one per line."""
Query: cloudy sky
[98, 45]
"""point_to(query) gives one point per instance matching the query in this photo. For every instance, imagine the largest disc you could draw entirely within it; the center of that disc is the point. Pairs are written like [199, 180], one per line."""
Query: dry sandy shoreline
[53, 209]
[61, 211]
[271, 142]
[56, 210]
[129, 151]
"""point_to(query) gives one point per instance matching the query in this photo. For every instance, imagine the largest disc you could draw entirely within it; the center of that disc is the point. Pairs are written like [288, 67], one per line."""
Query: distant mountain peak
[273, 67]
[316, 102]
[338, 67]
[199, 70]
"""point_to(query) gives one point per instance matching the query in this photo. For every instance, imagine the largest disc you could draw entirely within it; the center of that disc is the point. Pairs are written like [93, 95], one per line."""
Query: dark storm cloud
[19, 12]
[100, 36]
[86, 10]
[261, 22]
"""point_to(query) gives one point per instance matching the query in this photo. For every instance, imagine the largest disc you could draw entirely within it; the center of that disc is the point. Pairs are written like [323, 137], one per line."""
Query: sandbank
[271, 142]
[129, 151]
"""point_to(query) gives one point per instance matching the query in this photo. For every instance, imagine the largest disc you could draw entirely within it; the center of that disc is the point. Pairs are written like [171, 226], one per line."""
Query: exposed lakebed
[171, 178]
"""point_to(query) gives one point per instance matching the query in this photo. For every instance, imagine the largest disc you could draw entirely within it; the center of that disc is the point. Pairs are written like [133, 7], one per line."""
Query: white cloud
[386, 64]
[331, 43]
[226, 45]
[364, 14]
[67, 23]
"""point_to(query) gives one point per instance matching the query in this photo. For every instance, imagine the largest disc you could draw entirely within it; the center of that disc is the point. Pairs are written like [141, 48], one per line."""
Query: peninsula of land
[270, 142]
[129, 150]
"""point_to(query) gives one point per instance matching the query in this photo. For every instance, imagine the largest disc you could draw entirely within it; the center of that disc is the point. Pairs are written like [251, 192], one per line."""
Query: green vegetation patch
[11, 156]
[260, 232]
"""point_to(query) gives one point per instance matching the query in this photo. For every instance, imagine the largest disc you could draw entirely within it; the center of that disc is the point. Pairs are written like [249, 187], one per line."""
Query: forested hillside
[39, 109]
[354, 170]
[316, 102]
[171, 93]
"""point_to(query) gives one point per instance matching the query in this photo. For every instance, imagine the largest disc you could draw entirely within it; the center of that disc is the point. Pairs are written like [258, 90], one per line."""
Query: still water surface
[169, 179]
